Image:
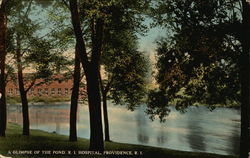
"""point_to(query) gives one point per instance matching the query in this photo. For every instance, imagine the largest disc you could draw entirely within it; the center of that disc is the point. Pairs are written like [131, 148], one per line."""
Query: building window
[53, 91]
[59, 91]
[32, 91]
[46, 91]
[39, 91]
[10, 91]
[66, 91]
[17, 91]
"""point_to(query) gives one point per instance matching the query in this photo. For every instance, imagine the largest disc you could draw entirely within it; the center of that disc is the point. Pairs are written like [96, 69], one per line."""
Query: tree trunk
[94, 101]
[105, 116]
[23, 93]
[104, 91]
[74, 99]
[3, 29]
[244, 79]
[91, 70]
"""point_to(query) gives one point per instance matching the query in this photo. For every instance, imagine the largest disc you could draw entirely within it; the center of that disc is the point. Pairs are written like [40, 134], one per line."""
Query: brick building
[55, 88]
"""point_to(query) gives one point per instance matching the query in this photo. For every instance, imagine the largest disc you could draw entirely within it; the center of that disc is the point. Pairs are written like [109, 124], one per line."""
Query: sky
[147, 43]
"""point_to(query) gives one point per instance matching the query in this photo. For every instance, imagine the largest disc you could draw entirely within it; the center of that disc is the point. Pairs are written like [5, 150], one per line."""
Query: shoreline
[40, 103]
[236, 107]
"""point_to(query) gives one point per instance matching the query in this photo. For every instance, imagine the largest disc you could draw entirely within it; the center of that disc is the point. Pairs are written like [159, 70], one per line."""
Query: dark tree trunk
[74, 99]
[91, 70]
[23, 93]
[104, 91]
[244, 79]
[105, 116]
[3, 29]
[94, 101]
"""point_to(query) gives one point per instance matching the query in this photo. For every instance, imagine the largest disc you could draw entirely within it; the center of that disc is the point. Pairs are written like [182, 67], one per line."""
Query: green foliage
[124, 65]
[125, 68]
[48, 99]
[59, 26]
[41, 55]
[157, 101]
[120, 13]
[45, 59]
[116, 15]
[199, 63]
[13, 100]
[16, 100]
[43, 3]
[128, 79]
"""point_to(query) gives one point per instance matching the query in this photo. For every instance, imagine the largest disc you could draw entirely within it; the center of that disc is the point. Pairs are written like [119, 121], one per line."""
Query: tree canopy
[199, 63]
[125, 68]
[205, 60]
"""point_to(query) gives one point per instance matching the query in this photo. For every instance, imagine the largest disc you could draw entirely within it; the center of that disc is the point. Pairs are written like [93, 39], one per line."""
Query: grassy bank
[51, 142]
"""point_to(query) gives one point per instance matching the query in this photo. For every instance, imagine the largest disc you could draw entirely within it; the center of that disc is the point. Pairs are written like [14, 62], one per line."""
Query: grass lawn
[41, 141]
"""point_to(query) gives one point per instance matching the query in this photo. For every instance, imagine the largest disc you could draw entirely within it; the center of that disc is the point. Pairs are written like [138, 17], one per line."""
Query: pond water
[197, 130]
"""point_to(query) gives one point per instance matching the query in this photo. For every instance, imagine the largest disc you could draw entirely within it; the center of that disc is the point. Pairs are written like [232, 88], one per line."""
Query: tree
[20, 26]
[40, 57]
[95, 15]
[244, 80]
[206, 57]
[30, 51]
[5, 7]
[202, 47]
[74, 98]
[62, 32]
[125, 69]
[66, 32]
[3, 30]
[91, 71]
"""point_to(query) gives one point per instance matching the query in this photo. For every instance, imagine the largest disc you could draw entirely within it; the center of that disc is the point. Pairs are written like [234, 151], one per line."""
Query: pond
[197, 130]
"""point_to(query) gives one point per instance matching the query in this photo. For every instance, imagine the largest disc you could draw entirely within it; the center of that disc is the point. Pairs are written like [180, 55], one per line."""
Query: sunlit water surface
[197, 130]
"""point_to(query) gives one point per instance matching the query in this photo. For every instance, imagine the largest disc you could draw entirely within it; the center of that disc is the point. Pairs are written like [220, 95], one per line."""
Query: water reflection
[57, 125]
[142, 133]
[161, 136]
[234, 143]
[196, 134]
[196, 130]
